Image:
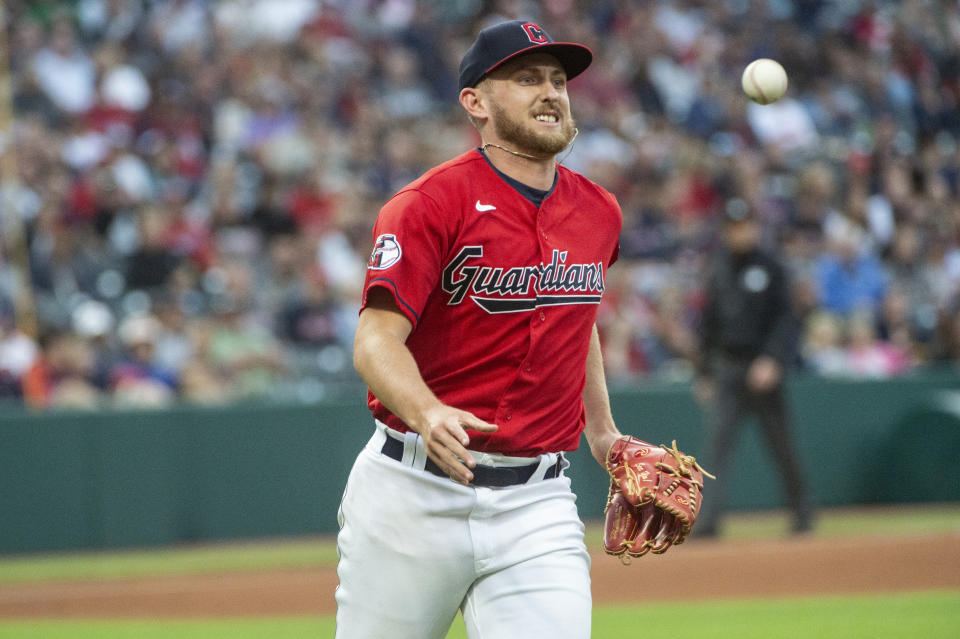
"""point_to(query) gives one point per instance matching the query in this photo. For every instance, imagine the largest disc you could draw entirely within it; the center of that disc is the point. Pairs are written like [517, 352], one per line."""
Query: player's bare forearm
[383, 360]
[600, 429]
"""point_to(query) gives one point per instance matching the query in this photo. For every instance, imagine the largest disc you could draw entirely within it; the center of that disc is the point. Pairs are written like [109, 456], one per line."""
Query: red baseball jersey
[502, 296]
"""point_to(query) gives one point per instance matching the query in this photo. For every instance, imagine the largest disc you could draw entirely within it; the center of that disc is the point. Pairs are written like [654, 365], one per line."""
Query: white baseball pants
[415, 548]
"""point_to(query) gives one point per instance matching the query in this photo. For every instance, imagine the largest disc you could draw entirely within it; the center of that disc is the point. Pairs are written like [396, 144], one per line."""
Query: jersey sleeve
[410, 238]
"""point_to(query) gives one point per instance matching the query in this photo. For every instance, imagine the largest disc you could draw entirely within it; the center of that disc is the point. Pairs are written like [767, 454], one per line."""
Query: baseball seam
[756, 85]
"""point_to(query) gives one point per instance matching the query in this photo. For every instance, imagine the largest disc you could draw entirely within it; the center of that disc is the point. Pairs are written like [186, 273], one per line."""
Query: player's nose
[549, 91]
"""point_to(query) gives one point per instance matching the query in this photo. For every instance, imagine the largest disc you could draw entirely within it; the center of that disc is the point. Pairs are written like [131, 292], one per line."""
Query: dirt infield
[711, 569]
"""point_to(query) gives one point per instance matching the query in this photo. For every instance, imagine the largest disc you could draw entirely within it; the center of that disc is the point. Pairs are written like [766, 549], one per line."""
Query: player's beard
[525, 138]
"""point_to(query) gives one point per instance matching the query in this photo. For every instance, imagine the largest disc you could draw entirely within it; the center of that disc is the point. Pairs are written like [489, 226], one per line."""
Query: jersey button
[509, 416]
[543, 316]
[528, 368]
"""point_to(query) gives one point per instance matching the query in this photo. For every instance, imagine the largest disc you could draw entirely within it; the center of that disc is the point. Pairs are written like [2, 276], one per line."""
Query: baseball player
[477, 341]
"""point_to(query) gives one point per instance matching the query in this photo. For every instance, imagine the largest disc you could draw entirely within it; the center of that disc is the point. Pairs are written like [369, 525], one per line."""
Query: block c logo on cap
[535, 33]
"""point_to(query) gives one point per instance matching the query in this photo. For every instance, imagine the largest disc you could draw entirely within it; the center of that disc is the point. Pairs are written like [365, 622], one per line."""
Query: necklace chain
[503, 148]
[576, 132]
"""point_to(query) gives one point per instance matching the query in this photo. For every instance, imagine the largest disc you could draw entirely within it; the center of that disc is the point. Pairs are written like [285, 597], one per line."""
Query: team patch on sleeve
[386, 252]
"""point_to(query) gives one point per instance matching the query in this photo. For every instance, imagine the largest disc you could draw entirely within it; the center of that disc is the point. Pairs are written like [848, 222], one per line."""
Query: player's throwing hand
[445, 438]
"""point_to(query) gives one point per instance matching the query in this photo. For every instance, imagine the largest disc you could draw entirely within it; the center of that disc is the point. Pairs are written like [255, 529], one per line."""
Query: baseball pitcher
[477, 341]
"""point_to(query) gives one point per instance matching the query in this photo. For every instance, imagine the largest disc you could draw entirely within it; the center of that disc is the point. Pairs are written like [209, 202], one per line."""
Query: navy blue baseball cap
[505, 41]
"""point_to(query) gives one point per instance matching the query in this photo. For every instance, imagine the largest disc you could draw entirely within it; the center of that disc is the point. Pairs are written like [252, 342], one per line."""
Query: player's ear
[473, 101]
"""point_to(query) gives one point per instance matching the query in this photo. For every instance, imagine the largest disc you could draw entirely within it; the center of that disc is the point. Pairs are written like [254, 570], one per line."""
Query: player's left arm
[600, 429]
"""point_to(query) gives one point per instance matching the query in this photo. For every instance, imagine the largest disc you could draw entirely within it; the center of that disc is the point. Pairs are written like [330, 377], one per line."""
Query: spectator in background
[942, 265]
[822, 350]
[869, 356]
[674, 344]
[625, 321]
[946, 351]
[849, 277]
[903, 329]
[308, 317]
[402, 93]
[18, 351]
[179, 24]
[246, 352]
[138, 379]
[809, 204]
[63, 70]
[153, 261]
[109, 20]
[94, 322]
[785, 125]
[911, 301]
[201, 380]
[61, 377]
[174, 348]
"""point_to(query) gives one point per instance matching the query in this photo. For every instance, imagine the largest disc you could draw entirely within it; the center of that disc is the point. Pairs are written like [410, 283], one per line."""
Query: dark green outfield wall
[122, 479]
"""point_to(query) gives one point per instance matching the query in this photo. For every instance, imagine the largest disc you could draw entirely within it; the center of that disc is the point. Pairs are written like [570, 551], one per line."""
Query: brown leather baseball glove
[655, 495]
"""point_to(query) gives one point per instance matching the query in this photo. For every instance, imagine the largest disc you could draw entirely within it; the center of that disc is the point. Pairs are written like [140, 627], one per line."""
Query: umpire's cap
[502, 42]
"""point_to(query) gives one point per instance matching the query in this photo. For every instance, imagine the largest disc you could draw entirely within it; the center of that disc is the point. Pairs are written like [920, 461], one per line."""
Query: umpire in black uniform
[746, 341]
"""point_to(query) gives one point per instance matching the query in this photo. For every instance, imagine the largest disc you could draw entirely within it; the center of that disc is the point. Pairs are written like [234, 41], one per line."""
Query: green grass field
[932, 615]
[198, 560]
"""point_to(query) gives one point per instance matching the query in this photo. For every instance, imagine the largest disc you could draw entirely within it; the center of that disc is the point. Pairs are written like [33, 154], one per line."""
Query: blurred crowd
[196, 180]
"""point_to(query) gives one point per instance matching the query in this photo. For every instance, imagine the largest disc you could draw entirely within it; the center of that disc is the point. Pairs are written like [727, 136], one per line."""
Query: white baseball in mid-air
[764, 81]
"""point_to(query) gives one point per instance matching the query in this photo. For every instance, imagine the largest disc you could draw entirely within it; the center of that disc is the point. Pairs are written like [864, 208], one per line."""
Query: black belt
[488, 476]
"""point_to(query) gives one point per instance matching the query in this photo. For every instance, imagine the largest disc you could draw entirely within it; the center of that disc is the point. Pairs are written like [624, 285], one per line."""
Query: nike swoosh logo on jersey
[485, 207]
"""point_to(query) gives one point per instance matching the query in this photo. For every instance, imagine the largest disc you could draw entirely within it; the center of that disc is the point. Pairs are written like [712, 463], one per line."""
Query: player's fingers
[475, 423]
[451, 435]
[457, 444]
[454, 468]
[451, 456]
[458, 430]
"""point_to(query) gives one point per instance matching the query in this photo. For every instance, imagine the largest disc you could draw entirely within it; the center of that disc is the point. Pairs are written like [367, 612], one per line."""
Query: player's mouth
[547, 117]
